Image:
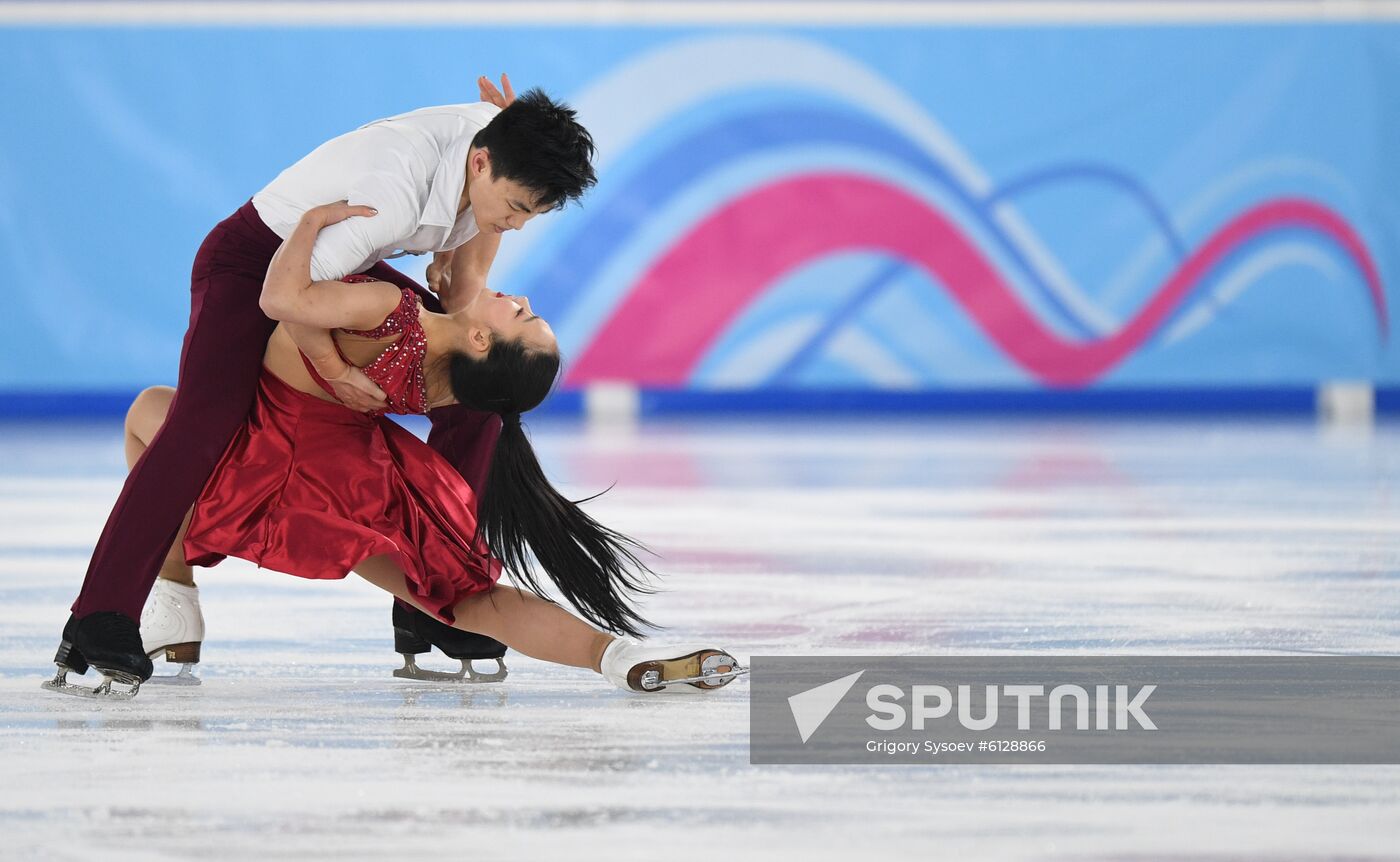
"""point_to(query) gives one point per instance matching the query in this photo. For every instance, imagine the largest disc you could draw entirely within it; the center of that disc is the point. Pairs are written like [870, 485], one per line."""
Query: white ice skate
[172, 623]
[635, 666]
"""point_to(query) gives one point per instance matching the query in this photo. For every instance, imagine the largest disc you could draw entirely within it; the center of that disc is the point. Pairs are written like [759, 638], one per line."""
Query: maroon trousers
[219, 368]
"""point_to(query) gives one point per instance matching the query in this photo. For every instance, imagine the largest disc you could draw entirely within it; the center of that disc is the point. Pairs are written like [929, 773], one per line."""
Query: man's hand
[357, 391]
[440, 272]
[489, 93]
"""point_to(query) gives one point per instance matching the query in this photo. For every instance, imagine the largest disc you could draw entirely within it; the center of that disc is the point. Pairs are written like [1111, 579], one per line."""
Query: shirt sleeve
[346, 248]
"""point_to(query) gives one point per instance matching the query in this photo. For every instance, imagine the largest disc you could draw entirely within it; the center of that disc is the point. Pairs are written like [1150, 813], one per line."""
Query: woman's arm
[290, 295]
[350, 385]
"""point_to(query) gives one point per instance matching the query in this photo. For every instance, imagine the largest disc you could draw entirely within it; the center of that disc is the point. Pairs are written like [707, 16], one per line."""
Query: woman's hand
[489, 93]
[334, 213]
[358, 392]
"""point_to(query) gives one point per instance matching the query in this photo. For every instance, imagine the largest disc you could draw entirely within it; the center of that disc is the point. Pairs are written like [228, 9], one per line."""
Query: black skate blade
[496, 675]
[466, 675]
[421, 675]
[102, 691]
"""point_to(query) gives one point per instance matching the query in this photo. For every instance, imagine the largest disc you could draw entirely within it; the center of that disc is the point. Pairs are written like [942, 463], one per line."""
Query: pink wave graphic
[691, 294]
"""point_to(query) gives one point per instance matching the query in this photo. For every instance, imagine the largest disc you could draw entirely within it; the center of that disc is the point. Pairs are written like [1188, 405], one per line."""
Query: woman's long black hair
[596, 568]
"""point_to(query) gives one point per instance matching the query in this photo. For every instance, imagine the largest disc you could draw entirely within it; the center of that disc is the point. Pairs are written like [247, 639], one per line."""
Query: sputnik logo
[811, 708]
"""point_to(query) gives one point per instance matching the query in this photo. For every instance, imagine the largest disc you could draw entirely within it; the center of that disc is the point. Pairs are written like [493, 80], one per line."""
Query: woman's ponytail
[520, 512]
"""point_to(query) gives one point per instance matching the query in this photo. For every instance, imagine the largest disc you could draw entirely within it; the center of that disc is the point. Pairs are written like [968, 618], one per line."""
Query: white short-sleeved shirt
[411, 168]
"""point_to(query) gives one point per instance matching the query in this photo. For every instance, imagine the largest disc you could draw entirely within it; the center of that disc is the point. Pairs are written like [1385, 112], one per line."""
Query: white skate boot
[635, 666]
[172, 623]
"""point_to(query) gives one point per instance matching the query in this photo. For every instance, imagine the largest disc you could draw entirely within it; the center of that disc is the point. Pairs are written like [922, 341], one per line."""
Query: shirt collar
[448, 182]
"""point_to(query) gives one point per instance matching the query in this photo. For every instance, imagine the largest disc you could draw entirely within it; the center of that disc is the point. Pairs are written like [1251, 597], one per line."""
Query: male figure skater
[449, 180]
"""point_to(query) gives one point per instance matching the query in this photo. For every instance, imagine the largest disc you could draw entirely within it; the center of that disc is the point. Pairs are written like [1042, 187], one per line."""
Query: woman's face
[508, 317]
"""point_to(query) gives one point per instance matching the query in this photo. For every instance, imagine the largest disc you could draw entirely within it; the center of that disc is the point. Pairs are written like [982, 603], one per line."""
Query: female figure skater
[315, 489]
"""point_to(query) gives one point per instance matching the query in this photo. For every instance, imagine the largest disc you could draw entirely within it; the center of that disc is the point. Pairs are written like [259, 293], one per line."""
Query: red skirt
[312, 488]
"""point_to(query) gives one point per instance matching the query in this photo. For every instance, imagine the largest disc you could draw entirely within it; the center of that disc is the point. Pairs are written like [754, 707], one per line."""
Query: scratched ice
[911, 537]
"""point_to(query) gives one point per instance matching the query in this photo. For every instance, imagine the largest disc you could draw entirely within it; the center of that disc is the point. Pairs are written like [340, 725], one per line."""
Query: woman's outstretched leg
[543, 630]
[528, 624]
[521, 620]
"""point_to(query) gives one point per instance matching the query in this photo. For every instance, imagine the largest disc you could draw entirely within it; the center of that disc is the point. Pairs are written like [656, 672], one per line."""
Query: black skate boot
[109, 642]
[416, 633]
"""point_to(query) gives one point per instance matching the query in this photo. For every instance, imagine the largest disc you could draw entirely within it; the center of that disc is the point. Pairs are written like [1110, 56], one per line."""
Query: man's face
[498, 204]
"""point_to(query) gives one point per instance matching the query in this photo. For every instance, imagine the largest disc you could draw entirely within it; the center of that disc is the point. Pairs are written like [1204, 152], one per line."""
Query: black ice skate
[416, 633]
[109, 642]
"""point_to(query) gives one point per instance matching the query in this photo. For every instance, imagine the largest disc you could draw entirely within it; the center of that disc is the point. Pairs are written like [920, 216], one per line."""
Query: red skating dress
[311, 488]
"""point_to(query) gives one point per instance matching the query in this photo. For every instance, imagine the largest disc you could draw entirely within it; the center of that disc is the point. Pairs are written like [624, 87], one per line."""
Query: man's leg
[143, 422]
[172, 623]
[219, 367]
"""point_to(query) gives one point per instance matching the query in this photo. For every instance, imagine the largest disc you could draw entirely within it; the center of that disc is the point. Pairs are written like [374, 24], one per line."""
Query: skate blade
[184, 677]
[466, 675]
[102, 691]
[713, 679]
[706, 669]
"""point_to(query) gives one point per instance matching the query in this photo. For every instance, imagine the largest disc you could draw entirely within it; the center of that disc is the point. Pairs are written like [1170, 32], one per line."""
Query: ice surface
[798, 537]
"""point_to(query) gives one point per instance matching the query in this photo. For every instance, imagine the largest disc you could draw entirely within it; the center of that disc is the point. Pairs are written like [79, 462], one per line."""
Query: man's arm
[440, 270]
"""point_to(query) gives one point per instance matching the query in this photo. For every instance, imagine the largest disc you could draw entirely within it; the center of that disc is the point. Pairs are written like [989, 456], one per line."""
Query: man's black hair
[538, 142]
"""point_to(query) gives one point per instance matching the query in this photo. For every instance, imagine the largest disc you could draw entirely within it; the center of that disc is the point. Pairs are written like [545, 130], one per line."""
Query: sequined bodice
[399, 369]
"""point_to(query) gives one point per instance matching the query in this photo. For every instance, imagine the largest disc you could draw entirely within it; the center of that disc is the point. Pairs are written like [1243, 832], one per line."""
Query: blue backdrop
[903, 208]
